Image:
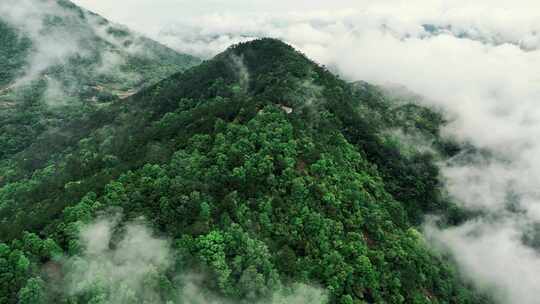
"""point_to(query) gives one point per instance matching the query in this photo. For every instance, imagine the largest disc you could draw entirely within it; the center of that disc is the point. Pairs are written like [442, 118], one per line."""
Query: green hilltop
[264, 170]
[255, 177]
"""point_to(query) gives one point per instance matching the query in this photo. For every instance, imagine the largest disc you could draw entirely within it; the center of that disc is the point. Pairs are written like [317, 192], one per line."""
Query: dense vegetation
[254, 197]
[261, 168]
[13, 51]
[100, 63]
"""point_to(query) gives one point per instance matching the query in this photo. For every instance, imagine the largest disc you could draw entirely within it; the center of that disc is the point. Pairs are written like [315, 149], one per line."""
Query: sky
[478, 61]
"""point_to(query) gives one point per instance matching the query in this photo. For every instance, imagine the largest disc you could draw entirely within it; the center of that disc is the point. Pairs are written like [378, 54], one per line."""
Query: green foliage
[115, 64]
[13, 51]
[33, 292]
[254, 197]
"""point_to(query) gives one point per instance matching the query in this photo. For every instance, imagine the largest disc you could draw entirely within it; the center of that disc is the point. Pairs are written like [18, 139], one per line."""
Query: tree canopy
[260, 168]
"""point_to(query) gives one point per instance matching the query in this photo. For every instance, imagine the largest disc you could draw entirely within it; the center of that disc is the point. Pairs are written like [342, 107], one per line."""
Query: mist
[477, 62]
[123, 274]
[51, 47]
[72, 49]
[126, 262]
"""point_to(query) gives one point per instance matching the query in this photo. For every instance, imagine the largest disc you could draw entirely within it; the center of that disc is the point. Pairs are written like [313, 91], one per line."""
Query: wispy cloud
[51, 45]
[84, 47]
[125, 263]
[124, 274]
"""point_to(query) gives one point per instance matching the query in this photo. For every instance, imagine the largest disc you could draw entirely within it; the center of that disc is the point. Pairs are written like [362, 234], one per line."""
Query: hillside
[58, 62]
[254, 177]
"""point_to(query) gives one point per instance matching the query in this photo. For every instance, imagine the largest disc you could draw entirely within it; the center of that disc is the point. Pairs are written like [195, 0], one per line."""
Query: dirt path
[127, 94]
[6, 89]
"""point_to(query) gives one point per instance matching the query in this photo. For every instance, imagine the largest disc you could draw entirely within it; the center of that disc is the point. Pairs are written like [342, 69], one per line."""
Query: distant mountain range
[55, 55]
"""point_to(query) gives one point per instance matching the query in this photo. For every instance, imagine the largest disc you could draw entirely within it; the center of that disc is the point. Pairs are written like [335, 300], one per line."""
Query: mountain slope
[263, 170]
[58, 61]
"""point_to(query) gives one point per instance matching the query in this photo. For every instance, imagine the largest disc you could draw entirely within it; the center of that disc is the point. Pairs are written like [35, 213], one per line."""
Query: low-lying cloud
[51, 46]
[512, 275]
[126, 262]
[72, 46]
[314, 30]
[123, 274]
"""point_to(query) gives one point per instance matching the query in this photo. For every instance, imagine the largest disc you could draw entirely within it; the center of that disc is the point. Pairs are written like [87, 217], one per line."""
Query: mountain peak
[259, 165]
[263, 55]
[268, 46]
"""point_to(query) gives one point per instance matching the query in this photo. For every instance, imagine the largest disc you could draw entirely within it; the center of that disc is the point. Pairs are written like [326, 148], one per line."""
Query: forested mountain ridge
[58, 61]
[261, 168]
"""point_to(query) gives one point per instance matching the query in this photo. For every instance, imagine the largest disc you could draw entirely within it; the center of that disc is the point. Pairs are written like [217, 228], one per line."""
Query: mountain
[255, 177]
[58, 61]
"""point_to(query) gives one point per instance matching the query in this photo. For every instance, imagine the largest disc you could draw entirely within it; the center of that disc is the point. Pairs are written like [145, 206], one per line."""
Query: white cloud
[512, 274]
[501, 20]
[51, 46]
[122, 274]
[123, 264]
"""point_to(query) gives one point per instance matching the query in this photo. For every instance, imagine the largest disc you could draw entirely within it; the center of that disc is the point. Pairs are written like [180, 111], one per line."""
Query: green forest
[108, 64]
[257, 176]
